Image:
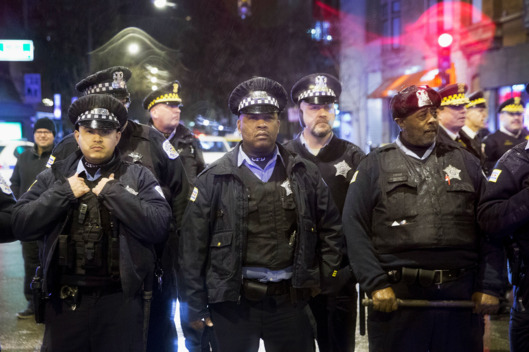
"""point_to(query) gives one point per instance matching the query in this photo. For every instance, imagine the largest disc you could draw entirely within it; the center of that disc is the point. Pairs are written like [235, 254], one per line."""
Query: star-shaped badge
[286, 186]
[342, 168]
[452, 172]
[135, 157]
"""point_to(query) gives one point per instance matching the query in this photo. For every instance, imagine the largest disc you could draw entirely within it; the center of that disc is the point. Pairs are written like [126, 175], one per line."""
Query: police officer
[411, 233]
[261, 234]
[164, 106]
[511, 131]
[337, 159]
[146, 146]
[475, 123]
[29, 164]
[504, 215]
[97, 218]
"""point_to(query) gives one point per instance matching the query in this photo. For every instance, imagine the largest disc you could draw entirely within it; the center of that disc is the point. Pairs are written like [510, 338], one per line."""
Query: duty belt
[425, 277]
[255, 290]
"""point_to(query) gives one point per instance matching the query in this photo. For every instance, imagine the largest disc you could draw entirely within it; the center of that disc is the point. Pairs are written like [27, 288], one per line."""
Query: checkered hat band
[317, 93]
[258, 101]
[165, 98]
[97, 114]
[456, 99]
[101, 87]
[476, 102]
[513, 108]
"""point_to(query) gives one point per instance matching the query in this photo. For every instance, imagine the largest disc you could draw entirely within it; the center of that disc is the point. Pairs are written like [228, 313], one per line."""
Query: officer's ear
[400, 122]
[76, 135]
[239, 124]
[301, 122]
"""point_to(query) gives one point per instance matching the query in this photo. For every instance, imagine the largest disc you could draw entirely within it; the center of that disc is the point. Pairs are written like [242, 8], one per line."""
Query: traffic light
[444, 62]
[245, 8]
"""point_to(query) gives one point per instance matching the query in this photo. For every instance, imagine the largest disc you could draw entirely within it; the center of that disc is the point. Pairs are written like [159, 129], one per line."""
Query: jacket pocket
[221, 254]
[401, 198]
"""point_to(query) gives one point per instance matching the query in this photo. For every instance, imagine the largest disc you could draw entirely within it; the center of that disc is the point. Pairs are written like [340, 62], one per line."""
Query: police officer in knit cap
[144, 145]
[511, 132]
[97, 218]
[164, 106]
[504, 215]
[261, 234]
[409, 221]
[29, 164]
[337, 159]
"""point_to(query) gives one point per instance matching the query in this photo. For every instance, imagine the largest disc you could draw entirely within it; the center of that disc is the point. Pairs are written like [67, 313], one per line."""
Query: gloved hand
[384, 300]
[200, 324]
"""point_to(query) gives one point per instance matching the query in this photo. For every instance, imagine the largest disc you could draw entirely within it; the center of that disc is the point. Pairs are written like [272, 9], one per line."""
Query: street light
[161, 4]
[443, 57]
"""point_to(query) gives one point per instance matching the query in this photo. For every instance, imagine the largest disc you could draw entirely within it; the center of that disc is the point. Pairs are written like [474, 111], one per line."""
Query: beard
[321, 130]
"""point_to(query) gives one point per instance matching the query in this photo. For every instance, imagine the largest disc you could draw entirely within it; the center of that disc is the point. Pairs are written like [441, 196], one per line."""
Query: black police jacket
[395, 217]
[7, 201]
[141, 216]
[497, 143]
[213, 235]
[504, 208]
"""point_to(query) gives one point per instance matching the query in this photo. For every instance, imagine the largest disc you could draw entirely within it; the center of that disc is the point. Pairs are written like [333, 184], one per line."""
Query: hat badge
[461, 88]
[423, 99]
[321, 83]
[517, 100]
[118, 81]
[175, 87]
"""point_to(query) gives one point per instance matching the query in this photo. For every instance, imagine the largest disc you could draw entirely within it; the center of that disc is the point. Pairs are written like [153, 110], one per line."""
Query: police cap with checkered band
[412, 99]
[168, 93]
[98, 111]
[317, 88]
[514, 105]
[111, 81]
[454, 94]
[258, 95]
[477, 100]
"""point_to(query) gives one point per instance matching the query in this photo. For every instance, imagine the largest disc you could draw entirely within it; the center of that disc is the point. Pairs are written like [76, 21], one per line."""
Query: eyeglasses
[43, 132]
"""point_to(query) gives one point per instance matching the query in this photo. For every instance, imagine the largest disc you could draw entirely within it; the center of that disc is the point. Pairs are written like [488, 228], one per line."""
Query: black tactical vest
[424, 203]
[89, 248]
[271, 220]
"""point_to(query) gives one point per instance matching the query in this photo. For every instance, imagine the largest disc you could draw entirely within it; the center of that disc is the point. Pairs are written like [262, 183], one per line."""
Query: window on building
[391, 24]
[395, 24]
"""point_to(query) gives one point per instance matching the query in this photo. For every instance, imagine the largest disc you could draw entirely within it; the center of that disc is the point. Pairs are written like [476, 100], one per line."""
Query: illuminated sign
[16, 50]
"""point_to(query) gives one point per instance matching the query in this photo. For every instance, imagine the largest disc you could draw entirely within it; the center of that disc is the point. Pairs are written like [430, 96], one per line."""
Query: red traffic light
[445, 40]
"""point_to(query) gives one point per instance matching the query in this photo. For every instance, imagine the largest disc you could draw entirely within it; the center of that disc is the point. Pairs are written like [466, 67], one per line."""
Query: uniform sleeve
[6, 208]
[68, 145]
[503, 207]
[361, 198]
[145, 215]
[330, 233]
[194, 250]
[38, 210]
[199, 156]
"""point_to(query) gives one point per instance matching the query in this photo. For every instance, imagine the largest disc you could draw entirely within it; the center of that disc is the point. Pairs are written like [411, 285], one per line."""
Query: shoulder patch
[50, 162]
[494, 175]
[131, 190]
[354, 176]
[194, 195]
[4, 186]
[169, 150]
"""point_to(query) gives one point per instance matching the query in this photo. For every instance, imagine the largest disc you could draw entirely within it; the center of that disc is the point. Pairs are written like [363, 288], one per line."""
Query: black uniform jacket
[497, 143]
[504, 208]
[337, 162]
[366, 204]
[7, 201]
[28, 166]
[215, 228]
[141, 216]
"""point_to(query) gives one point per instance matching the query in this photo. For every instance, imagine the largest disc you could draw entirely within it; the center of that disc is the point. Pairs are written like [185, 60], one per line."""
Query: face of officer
[452, 117]
[476, 118]
[97, 145]
[259, 132]
[420, 128]
[318, 118]
[166, 116]
[512, 121]
[43, 138]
